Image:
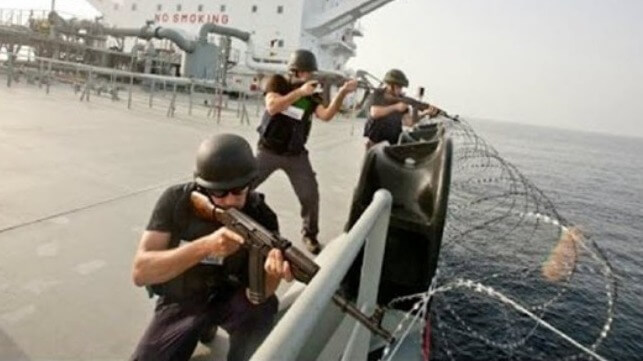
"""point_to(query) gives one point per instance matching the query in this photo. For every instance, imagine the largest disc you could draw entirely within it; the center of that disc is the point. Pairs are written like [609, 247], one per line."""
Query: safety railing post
[48, 84]
[85, 95]
[220, 104]
[152, 90]
[76, 79]
[259, 104]
[239, 104]
[41, 65]
[190, 96]
[9, 65]
[245, 118]
[113, 87]
[131, 82]
[172, 107]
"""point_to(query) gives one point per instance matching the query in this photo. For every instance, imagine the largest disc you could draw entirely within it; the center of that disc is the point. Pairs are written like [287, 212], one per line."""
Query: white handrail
[289, 336]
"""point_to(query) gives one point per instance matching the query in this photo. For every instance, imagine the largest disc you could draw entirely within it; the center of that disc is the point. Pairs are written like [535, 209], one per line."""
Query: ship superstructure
[327, 27]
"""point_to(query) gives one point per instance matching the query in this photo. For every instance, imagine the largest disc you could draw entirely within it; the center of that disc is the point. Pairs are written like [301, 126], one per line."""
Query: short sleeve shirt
[174, 214]
[287, 132]
[386, 128]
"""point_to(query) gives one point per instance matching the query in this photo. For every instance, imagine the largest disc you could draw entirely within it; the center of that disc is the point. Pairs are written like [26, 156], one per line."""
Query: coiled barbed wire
[491, 297]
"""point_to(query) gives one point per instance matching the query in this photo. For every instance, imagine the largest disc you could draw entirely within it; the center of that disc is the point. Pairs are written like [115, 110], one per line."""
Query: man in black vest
[198, 268]
[386, 114]
[285, 126]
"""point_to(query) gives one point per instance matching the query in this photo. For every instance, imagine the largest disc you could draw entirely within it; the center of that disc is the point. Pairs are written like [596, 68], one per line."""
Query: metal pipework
[222, 30]
[144, 32]
[176, 37]
[189, 46]
[148, 32]
[72, 26]
[245, 37]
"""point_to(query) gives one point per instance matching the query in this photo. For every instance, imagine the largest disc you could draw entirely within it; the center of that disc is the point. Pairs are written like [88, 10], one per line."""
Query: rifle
[366, 82]
[260, 241]
[418, 105]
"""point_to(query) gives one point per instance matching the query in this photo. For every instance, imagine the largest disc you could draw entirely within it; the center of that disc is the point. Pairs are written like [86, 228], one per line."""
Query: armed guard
[285, 126]
[198, 268]
[386, 113]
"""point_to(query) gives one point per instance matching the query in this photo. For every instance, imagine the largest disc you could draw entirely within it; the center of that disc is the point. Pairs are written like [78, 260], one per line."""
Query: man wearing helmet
[198, 268]
[284, 130]
[386, 114]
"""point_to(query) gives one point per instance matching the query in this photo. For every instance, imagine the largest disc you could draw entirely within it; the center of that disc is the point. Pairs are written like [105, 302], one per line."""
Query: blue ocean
[596, 182]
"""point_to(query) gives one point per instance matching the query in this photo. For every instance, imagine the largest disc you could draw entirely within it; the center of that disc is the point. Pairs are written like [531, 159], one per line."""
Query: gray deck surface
[78, 181]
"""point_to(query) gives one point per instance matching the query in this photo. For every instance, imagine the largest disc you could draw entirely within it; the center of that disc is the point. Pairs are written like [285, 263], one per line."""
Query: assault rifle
[418, 105]
[260, 241]
[366, 80]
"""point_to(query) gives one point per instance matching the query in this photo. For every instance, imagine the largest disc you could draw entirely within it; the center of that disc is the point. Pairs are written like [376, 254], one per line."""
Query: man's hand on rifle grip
[308, 88]
[223, 242]
[276, 269]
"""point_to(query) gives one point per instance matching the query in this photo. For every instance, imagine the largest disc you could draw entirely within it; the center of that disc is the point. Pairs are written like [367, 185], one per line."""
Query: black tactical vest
[208, 277]
[287, 132]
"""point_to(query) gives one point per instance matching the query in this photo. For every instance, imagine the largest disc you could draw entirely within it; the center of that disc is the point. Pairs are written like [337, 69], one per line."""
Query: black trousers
[302, 178]
[176, 327]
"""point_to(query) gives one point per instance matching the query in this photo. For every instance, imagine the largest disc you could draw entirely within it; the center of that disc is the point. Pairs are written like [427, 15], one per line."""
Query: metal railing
[88, 78]
[20, 16]
[16, 16]
[294, 330]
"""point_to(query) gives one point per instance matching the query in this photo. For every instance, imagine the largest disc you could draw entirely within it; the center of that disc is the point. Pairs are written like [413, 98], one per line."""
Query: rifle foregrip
[302, 267]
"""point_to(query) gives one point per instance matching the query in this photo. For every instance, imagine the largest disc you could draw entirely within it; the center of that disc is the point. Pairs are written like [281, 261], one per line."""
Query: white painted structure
[327, 27]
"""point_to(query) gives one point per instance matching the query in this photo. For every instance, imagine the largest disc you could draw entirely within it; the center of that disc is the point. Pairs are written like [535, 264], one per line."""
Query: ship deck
[79, 180]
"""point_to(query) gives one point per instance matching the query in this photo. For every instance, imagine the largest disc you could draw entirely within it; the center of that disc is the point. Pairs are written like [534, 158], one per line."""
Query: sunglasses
[221, 193]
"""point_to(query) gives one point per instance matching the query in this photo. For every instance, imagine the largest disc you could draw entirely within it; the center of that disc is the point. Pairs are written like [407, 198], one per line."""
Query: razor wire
[495, 294]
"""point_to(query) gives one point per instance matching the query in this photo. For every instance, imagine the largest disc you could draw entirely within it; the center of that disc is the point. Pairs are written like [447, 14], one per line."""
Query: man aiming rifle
[388, 109]
[285, 126]
[199, 269]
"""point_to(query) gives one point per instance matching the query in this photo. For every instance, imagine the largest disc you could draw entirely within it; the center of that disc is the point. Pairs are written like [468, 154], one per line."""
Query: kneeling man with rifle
[198, 267]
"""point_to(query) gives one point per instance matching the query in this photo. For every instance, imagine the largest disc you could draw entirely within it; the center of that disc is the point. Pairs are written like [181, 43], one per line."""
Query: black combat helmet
[224, 161]
[397, 77]
[302, 60]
